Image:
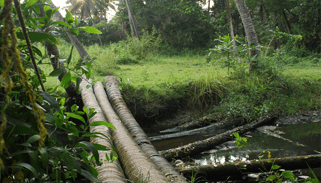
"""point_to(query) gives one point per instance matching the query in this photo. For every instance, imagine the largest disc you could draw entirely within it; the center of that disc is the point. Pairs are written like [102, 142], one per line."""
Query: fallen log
[287, 163]
[203, 145]
[108, 171]
[137, 132]
[190, 125]
[210, 129]
[136, 164]
[265, 130]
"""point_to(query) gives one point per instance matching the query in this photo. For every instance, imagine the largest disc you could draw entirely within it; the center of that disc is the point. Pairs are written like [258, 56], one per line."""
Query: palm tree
[249, 31]
[88, 7]
[132, 21]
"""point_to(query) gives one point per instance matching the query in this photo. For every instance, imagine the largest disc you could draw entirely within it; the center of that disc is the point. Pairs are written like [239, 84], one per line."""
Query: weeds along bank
[155, 85]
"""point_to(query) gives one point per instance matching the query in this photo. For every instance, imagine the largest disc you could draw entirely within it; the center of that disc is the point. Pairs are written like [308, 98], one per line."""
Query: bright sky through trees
[62, 4]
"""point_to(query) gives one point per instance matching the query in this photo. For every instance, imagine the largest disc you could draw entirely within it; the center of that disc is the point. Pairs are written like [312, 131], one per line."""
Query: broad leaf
[31, 3]
[66, 80]
[79, 79]
[22, 130]
[29, 167]
[20, 152]
[92, 30]
[100, 147]
[76, 21]
[40, 37]
[70, 55]
[44, 157]
[69, 17]
[35, 26]
[33, 138]
[56, 72]
[275, 167]
[61, 23]
[37, 51]
[74, 31]
[98, 123]
[76, 116]
[91, 147]
[54, 104]
[88, 175]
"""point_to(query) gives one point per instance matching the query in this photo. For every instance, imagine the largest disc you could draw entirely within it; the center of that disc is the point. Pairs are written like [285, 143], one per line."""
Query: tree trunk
[199, 146]
[249, 31]
[288, 163]
[74, 40]
[208, 10]
[229, 19]
[210, 129]
[108, 171]
[135, 130]
[187, 126]
[132, 20]
[287, 23]
[135, 162]
[265, 130]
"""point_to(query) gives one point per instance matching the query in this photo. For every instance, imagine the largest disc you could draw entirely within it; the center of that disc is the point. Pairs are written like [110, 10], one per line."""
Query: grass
[158, 85]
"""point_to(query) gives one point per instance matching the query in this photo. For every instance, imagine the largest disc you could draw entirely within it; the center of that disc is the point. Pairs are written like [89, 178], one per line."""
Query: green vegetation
[169, 68]
[157, 83]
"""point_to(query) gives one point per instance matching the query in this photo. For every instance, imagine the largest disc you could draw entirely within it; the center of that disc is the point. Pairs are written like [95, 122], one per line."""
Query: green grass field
[160, 84]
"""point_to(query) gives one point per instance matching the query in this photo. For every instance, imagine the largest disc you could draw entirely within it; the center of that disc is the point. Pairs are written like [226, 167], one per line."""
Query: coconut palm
[249, 30]
[87, 8]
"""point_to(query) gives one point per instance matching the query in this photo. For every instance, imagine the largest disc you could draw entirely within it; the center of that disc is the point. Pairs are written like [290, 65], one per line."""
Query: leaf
[85, 109]
[76, 116]
[85, 68]
[66, 80]
[29, 167]
[35, 26]
[75, 31]
[33, 138]
[92, 30]
[76, 21]
[100, 147]
[288, 174]
[103, 123]
[270, 178]
[21, 152]
[91, 147]
[2, 3]
[88, 175]
[22, 130]
[275, 167]
[30, 3]
[70, 55]
[44, 157]
[37, 51]
[53, 103]
[40, 37]
[79, 79]
[69, 17]
[61, 23]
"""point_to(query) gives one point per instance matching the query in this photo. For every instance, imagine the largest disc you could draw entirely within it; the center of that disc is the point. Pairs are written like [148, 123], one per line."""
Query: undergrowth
[155, 85]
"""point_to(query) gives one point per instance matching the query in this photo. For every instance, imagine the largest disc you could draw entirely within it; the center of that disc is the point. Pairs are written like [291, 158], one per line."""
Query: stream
[282, 139]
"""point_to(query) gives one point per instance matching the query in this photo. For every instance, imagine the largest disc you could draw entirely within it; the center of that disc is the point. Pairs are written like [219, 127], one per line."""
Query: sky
[110, 13]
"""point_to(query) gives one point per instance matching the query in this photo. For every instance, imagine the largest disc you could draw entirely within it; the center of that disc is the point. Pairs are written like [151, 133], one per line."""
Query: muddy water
[308, 135]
